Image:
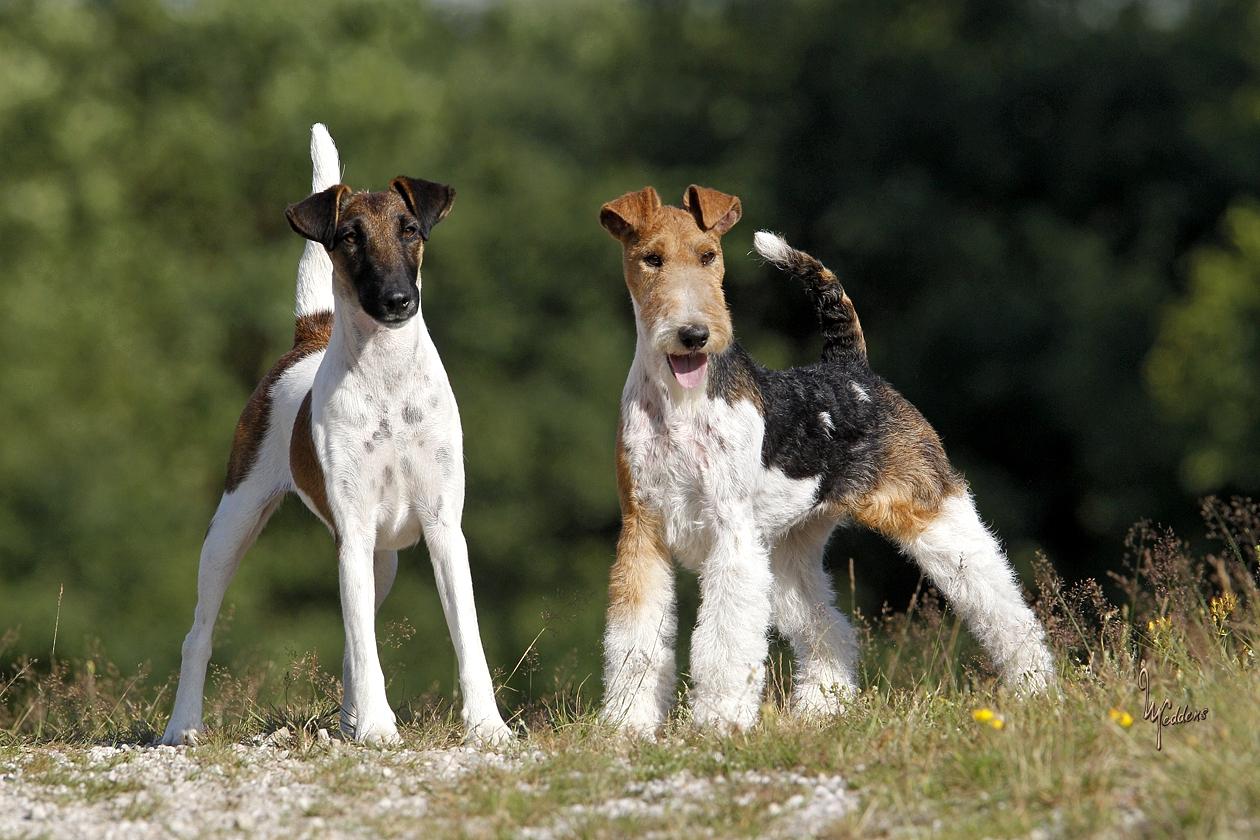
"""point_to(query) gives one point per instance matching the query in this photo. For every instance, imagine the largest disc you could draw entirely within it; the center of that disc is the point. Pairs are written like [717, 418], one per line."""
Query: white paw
[814, 700]
[724, 714]
[489, 733]
[1032, 672]
[1027, 682]
[179, 733]
[372, 729]
[641, 724]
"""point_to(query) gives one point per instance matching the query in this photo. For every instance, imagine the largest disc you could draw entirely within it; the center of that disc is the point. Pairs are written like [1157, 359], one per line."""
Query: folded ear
[625, 216]
[715, 211]
[316, 217]
[428, 201]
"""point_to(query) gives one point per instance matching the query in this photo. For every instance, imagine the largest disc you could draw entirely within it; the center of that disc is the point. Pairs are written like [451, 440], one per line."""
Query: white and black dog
[742, 473]
[359, 420]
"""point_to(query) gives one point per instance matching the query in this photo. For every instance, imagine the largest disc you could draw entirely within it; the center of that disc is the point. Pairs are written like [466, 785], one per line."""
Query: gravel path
[339, 790]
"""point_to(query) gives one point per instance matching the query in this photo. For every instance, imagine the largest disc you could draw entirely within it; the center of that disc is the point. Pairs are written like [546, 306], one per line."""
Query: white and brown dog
[742, 473]
[359, 420]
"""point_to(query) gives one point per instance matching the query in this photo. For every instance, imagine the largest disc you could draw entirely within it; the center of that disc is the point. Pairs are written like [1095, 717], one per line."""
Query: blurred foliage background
[1048, 214]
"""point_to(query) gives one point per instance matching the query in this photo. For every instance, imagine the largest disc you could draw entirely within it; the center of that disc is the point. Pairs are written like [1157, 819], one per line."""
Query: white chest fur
[389, 438]
[696, 463]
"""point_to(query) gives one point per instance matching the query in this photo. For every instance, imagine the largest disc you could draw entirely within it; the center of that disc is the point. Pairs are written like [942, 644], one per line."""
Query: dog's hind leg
[805, 614]
[964, 560]
[240, 518]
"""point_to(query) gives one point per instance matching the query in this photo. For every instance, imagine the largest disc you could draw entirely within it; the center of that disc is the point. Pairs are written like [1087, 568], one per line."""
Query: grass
[912, 754]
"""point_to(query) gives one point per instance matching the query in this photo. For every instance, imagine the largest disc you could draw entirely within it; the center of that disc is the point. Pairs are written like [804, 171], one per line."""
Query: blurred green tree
[1205, 366]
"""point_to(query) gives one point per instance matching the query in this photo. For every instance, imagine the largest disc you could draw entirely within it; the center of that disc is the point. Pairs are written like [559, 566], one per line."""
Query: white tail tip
[325, 163]
[772, 247]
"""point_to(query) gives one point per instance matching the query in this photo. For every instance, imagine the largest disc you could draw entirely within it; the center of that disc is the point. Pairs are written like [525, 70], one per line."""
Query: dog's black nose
[693, 336]
[395, 302]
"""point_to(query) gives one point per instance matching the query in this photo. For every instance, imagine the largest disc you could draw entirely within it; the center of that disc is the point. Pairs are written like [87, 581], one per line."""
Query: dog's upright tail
[842, 332]
[314, 279]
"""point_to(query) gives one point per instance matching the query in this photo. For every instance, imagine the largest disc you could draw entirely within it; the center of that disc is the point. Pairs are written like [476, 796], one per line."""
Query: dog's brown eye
[410, 231]
[654, 260]
[708, 257]
[350, 238]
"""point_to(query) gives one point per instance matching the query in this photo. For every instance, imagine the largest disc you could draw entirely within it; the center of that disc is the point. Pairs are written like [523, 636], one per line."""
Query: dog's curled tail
[842, 332]
[314, 280]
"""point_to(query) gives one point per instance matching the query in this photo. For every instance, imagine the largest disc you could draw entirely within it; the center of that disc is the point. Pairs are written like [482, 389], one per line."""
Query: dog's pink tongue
[689, 370]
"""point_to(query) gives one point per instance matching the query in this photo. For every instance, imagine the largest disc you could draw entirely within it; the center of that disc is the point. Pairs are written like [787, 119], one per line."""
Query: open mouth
[689, 369]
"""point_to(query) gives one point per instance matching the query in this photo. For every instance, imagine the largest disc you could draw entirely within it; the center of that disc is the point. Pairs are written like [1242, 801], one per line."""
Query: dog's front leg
[449, 552]
[365, 711]
[729, 646]
[639, 673]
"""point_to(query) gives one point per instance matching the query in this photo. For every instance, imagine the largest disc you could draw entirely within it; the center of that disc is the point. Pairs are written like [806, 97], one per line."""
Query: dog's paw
[723, 715]
[489, 733]
[640, 727]
[382, 733]
[816, 701]
[1030, 673]
[378, 730]
[179, 734]
[1031, 681]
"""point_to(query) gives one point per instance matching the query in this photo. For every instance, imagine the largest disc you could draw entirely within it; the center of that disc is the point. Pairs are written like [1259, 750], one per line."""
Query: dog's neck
[361, 344]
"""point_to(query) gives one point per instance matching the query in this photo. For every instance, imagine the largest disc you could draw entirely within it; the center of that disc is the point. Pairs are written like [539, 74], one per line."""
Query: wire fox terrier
[359, 420]
[742, 473]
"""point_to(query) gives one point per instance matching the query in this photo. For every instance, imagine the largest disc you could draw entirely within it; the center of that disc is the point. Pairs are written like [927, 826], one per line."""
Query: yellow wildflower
[988, 717]
[1124, 719]
[1224, 606]
[1221, 609]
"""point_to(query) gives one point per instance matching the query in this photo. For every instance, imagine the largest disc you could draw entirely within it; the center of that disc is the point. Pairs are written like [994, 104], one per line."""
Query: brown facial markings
[308, 475]
[915, 477]
[643, 561]
[673, 263]
[310, 335]
[375, 219]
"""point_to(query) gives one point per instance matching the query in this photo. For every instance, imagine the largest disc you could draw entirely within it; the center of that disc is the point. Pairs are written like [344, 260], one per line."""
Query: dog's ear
[715, 211]
[428, 201]
[316, 217]
[623, 217]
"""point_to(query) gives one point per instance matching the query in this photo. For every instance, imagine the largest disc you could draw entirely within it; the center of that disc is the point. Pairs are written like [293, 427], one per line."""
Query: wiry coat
[744, 479]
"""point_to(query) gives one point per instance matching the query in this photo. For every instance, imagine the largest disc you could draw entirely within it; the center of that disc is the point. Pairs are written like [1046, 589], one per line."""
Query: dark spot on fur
[367, 445]
[443, 458]
[382, 432]
[388, 476]
[412, 414]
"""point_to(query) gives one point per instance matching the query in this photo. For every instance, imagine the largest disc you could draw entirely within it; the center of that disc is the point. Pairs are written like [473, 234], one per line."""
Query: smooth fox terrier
[742, 473]
[359, 420]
